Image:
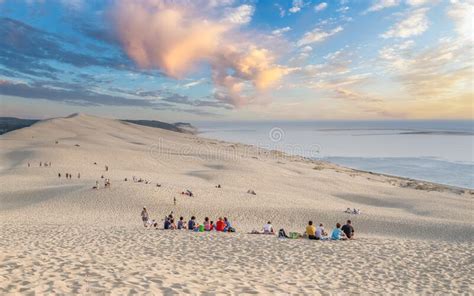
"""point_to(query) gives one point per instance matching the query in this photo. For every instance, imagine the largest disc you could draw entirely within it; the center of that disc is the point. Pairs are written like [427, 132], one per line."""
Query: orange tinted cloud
[175, 38]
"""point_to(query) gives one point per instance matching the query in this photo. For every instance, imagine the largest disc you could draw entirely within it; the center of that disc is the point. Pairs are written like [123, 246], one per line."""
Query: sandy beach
[61, 236]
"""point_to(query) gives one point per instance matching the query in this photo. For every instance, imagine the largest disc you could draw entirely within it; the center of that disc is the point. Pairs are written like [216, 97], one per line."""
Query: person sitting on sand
[228, 226]
[311, 230]
[207, 224]
[212, 226]
[59, 175]
[320, 232]
[192, 223]
[348, 229]
[348, 211]
[167, 223]
[337, 233]
[144, 215]
[172, 224]
[181, 224]
[220, 225]
[268, 228]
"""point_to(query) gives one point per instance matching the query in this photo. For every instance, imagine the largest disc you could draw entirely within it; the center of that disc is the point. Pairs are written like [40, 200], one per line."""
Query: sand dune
[61, 236]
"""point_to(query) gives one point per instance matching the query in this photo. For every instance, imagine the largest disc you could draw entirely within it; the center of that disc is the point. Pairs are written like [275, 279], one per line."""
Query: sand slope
[61, 236]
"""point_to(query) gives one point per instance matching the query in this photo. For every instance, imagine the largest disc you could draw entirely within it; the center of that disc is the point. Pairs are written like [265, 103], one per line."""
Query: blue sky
[237, 60]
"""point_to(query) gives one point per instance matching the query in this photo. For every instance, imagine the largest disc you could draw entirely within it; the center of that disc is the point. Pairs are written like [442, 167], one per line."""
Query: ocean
[436, 151]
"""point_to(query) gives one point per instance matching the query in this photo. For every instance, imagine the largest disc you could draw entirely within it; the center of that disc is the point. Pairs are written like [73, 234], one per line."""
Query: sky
[237, 60]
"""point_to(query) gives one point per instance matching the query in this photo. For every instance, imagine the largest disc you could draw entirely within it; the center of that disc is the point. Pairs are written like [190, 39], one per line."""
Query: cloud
[241, 15]
[296, 6]
[441, 71]
[177, 38]
[418, 2]
[413, 24]
[461, 13]
[382, 4]
[281, 31]
[321, 6]
[317, 35]
[68, 93]
[282, 11]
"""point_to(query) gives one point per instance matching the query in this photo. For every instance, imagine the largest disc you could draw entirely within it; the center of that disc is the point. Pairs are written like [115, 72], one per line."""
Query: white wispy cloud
[413, 24]
[382, 4]
[418, 2]
[321, 6]
[280, 9]
[280, 31]
[241, 15]
[297, 5]
[317, 35]
[461, 13]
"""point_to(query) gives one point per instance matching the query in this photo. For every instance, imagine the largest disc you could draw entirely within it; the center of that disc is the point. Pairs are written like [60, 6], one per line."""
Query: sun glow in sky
[238, 60]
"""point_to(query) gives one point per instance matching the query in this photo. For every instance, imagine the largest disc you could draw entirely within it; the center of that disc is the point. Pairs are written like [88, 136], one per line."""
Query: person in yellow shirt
[311, 230]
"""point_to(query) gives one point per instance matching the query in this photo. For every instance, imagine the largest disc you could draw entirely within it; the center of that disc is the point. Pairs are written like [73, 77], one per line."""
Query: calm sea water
[437, 151]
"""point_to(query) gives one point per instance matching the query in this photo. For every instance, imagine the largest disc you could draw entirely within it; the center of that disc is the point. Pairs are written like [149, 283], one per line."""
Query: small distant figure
[158, 185]
[28, 164]
[220, 224]
[268, 228]
[192, 223]
[59, 175]
[95, 163]
[125, 180]
[102, 177]
[50, 163]
[251, 191]
[320, 232]
[311, 230]
[181, 223]
[348, 211]
[41, 164]
[96, 185]
[78, 175]
[57, 142]
[145, 216]
[337, 233]
[228, 227]
[106, 168]
[67, 176]
[348, 229]
[218, 186]
[174, 200]
[188, 193]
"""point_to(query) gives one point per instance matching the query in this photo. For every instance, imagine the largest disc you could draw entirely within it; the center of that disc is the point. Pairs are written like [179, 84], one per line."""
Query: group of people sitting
[338, 233]
[312, 232]
[222, 224]
[354, 211]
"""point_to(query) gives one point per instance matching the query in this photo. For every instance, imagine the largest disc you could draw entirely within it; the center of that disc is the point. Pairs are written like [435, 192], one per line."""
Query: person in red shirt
[220, 225]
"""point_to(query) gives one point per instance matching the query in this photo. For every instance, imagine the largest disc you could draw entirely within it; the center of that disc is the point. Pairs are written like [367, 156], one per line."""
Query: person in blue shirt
[192, 223]
[337, 233]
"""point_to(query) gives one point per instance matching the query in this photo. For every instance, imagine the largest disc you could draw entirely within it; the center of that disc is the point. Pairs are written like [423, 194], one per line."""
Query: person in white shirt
[320, 232]
[268, 228]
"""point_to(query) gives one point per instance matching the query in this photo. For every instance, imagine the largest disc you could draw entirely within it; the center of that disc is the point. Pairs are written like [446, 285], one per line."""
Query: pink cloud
[175, 38]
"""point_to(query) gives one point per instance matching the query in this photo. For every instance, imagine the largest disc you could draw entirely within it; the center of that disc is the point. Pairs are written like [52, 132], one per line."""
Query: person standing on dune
[145, 216]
